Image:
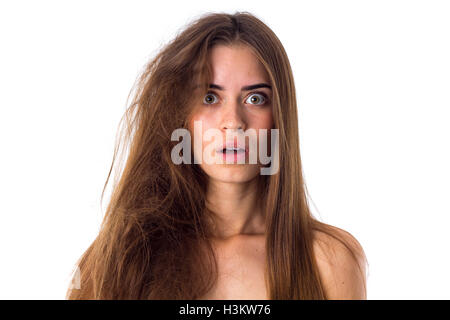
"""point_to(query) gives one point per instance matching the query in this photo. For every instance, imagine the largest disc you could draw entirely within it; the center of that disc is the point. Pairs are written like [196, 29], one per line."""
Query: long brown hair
[153, 242]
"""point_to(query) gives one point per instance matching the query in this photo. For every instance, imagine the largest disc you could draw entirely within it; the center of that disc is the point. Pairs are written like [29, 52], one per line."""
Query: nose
[232, 117]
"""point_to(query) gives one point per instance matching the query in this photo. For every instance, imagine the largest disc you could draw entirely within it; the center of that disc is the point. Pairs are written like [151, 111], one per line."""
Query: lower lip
[233, 157]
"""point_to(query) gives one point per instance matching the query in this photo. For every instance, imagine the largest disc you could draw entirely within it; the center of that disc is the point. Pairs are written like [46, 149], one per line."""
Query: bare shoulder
[343, 273]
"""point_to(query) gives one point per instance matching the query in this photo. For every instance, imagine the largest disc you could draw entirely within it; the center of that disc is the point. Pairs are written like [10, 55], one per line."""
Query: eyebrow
[245, 88]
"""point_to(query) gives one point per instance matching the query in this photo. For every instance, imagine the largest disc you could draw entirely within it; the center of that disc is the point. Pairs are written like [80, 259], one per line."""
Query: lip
[231, 144]
[234, 157]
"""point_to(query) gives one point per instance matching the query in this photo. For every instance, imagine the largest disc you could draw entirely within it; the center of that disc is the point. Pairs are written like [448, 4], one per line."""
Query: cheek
[263, 121]
[203, 121]
[198, 125]
[269, 119]
[207, 118]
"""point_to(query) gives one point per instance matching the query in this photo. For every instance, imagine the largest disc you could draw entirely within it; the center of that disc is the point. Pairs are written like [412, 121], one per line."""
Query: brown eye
[256, 98]
[210, 98]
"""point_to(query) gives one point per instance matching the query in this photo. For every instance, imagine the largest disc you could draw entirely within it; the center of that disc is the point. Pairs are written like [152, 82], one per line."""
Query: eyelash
[266, 98]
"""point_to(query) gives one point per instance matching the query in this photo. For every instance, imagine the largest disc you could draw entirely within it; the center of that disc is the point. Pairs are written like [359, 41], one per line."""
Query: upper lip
[231, 144]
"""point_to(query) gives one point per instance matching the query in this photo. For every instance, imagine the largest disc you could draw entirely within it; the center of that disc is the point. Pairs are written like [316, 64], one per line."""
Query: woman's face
[228, 107]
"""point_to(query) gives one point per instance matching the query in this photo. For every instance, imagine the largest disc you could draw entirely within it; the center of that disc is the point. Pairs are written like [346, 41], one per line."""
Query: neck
[237, 208]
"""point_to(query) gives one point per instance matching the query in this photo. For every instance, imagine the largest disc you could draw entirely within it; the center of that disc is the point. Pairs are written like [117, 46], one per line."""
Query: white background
[373, 82]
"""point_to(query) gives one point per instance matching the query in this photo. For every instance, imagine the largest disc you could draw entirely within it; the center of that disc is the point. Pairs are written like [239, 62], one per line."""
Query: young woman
[198, 230]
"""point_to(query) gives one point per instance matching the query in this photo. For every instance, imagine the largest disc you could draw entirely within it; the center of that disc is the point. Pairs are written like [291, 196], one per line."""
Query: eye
[257, 98]
[209, 98]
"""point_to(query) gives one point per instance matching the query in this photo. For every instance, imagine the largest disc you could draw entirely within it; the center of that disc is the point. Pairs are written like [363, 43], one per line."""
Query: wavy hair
[153, 241]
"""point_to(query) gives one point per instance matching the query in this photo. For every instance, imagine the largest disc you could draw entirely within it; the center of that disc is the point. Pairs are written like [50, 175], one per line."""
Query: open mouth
[233, 154]
[233, 150]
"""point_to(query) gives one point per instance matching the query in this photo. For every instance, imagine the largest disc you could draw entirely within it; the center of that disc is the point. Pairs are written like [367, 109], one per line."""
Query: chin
[232, 173]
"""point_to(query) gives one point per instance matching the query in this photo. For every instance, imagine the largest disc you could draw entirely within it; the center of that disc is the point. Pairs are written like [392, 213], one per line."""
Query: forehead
[236, 63]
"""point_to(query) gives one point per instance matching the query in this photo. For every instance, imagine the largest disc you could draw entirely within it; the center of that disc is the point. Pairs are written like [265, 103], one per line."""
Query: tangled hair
[153, 241]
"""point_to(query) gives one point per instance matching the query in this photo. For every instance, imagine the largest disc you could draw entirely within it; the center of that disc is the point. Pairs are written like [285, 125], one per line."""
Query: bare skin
[232, 191]
[232, 188]
[241, 269]
[241, 263]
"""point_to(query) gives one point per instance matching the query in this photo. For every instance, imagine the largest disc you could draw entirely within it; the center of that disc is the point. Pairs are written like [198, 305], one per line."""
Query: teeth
[233, 150]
